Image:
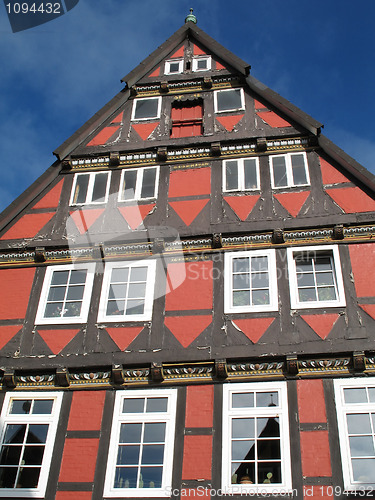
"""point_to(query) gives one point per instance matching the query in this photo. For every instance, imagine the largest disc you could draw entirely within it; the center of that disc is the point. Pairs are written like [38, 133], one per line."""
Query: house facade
[188, 298]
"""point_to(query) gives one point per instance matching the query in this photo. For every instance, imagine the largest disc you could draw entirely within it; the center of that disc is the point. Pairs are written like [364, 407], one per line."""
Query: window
[139, 184]
[355, 404]
[146, 109]
[315, 277]
[241, 174]
[289, 170]
[250, 281]
[187, 118]
[28, 429]
[174, 66]
[229, 100]
[140, 454]
[128, 291]
[66, 294]
[256, 451]
[90, 188]
[202, 63]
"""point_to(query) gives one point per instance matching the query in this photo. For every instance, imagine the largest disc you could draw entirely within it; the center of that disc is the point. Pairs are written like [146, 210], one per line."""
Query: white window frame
[139, 184]
[82, 318]
[242, 107]
[241, 175]
[90, 188]
[333, 252]
[281, 412]
[149, 295]
[199, 58]
[169, 417]
[51, 419]
[289, 171]
[342, 409]
[228, 286]
[148, 117]
[167, 69]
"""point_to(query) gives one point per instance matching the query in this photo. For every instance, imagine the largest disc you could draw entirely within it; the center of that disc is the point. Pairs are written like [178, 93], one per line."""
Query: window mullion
[241, 174]
[65, 294]
[138, 184]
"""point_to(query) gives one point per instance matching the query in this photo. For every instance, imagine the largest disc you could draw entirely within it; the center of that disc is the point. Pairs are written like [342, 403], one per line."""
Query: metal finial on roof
[191, 17]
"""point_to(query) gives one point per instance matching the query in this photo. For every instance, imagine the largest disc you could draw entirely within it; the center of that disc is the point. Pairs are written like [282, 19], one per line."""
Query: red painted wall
[315, 454]
[190, 182]
[79, 460]
[28, 226]
[311, 403]
[73, 495]
[86, 411]
[197, 457]
[362, 259]
[15, 292]
[199, 406]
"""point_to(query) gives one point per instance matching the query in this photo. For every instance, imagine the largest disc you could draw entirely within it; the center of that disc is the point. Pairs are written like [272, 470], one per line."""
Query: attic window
[174, 67]
[146, 109]
[202, 63]
[229, 100]
[187, 118]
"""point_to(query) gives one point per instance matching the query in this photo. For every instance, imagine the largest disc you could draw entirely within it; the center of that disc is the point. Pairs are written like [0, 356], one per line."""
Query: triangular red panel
[198, 52]
[178, 53]
[322, 324]
[352, 200]
[293, 202]
[144, 130]
[190, 182]
[84, 219]
[330, 174]
[188, 210]
[52, 198]
[57, 339]
[118, 118]
[28, 226]
[229, 122]
[136, 214]
[219, 66]
[273, 120]
[7, 333]
[103, 136]
[155, 73]
[259, 105]
[369, 309]
[254, 328]
[123, 337]
[187, 328]
[242, 205]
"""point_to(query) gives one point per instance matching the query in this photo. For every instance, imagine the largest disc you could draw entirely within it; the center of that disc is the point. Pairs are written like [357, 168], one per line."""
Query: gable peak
[191, 17]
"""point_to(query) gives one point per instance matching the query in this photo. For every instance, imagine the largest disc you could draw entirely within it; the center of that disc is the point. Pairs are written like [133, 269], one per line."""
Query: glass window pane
[268, 427]
[20, 407]
[53, 310]
[33, 455]
[10, 455]
[128, 455]
[115, 308]
[138, 274]
[243, 473]
[251, 177]
[269, 472]
[241, 298]
[80, 189]
[100, 187]
[129, 185]
[259, 280]
[231, 175]
[267, 399]
[259, 263]
[242, 450]
[152, 454]
[72, 309]
[243, 428]
[241, 281]
[298, 169]
[241, 265]
[148, 183]
[307, 295]
[202, 64]
[279, 171]
[358, 423]
[174, 67]
[135, 405]
[135, 306]
[117, 291]
[137, 290]
[243, 400]
[150, 477]
[327, 293]
[8, 477]
[323, 264]
[229, 100]
[119, 275]
[361, 446]
[28, 477]
[303, 265]
[14, 433]
[269, 449]
[305, 279]
[146, 108]
[355, 395]
[154, 432]
[78, 277]
[125, 477]
[363, 470]
[130, 433]
[156, 405]
[75, 292]
[37, 433]
[371, 393]
[60, 277]
[260, 297]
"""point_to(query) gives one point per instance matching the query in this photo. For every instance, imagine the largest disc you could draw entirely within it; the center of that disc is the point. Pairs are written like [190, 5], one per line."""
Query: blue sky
[319, 55]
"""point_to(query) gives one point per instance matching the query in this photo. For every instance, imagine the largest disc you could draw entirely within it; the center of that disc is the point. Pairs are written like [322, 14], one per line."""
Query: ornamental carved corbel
[157, 373]
[118, 374]
[62, 377]
[292, 365]
[221, 370]
[359, 361]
